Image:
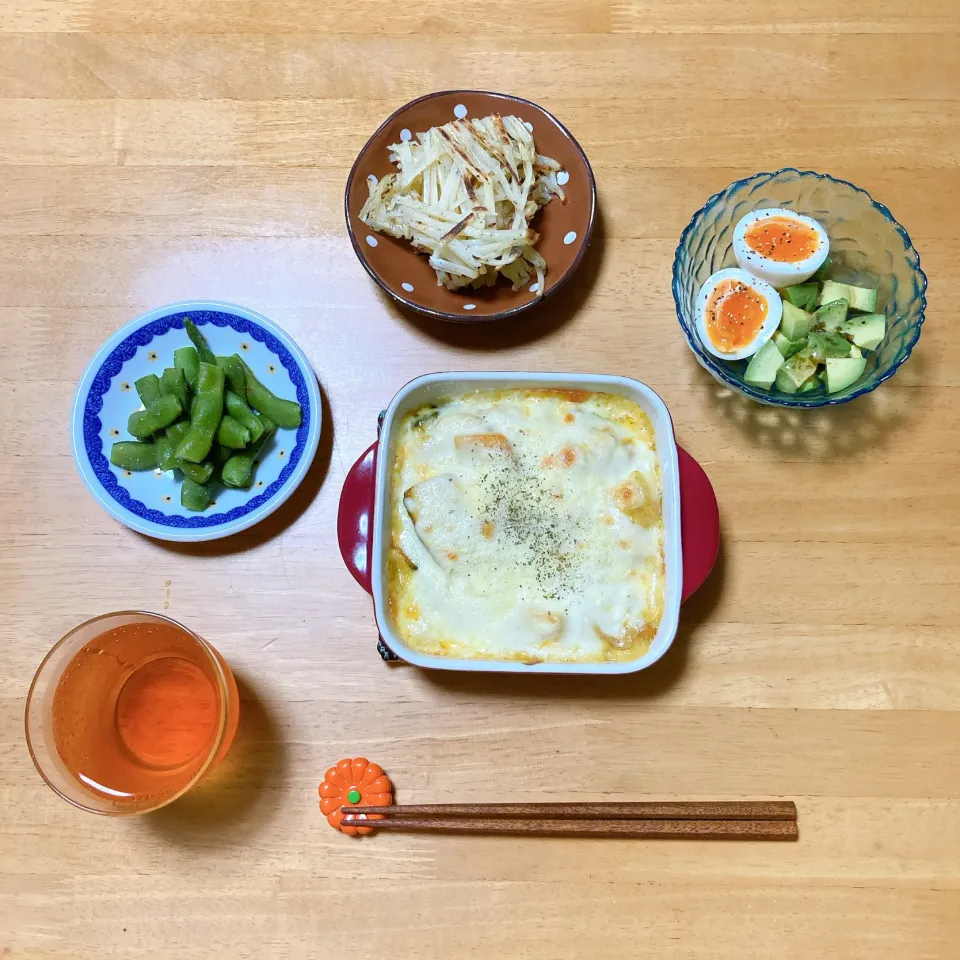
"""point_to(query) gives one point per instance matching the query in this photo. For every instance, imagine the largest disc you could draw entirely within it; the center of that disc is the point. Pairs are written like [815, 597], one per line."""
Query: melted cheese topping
[527, 525]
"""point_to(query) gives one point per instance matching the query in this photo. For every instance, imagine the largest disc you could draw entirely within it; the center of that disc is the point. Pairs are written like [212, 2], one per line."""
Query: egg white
[773, 271]
[762, 289]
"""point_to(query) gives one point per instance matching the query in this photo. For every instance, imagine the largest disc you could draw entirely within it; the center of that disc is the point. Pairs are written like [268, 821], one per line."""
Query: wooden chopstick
[642, 829]
[637, 810]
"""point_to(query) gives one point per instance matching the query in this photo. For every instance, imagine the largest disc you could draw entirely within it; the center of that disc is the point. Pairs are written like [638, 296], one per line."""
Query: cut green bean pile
[208, 418]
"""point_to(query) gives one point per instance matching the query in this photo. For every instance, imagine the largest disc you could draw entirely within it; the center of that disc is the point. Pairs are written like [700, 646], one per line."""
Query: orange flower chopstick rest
[353, 783]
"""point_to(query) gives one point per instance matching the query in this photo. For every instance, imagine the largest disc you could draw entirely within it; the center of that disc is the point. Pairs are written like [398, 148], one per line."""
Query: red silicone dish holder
[699, 524]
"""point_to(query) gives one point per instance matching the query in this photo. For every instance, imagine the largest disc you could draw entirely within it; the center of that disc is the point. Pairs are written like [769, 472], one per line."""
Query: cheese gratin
[526, 524]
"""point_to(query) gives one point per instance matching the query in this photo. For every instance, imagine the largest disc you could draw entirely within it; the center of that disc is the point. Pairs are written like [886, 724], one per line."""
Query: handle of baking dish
[355, 517]
[699, 520]
[699, 523]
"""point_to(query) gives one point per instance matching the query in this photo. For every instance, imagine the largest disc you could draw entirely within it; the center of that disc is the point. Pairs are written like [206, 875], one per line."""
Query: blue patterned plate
[149, 502]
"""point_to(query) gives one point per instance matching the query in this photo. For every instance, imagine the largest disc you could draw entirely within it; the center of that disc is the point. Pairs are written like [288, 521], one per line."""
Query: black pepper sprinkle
[515, 498]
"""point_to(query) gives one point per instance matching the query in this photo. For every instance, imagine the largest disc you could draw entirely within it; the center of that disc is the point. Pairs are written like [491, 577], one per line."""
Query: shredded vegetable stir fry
[465, 194]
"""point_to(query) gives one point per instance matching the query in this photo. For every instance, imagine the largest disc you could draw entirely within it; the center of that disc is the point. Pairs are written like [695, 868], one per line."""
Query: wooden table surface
[154, 152]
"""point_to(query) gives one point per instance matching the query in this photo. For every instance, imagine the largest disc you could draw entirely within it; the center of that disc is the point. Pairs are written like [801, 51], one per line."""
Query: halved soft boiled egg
[737, 314]
[780, 246]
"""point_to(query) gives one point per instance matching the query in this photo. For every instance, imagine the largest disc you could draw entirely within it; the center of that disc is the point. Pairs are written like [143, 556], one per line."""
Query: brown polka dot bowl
[564, 227]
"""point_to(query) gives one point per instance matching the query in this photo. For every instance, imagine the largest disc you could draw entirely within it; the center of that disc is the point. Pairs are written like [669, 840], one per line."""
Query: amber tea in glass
[128, 711]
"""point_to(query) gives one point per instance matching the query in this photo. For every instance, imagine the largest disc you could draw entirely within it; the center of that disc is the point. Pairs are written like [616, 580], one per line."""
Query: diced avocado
[803, 295]
[795, 323]
[811, 383]
[793, 373]
[827, 344]
[865, 330]
[854, 351]
[842, 371]
[859, 298]
[830, 315]
[814, 348]
[763, 366]
[785, 383]
[786, 346]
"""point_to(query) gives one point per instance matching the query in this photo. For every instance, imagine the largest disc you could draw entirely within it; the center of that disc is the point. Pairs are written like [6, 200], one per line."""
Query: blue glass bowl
[867, 247]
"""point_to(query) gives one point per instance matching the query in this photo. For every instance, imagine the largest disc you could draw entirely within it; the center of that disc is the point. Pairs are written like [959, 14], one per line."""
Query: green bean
[199, 341]
[197, 472]
[236, 377]
[148, 389]
[238, 409]
[238, 470]
[177, 431]
[130, 455]
[161, 413]
[219, 455]
[232, 434]
[284, 413]
[165, 458]
[194, 496]
[188, 360]
[205, 414]
[174, 382]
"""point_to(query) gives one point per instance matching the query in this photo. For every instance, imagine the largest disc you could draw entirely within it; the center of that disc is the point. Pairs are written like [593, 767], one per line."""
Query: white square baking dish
[437, 385]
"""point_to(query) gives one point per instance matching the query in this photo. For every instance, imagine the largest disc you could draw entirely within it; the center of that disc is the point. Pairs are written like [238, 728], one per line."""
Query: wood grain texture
[189, 148]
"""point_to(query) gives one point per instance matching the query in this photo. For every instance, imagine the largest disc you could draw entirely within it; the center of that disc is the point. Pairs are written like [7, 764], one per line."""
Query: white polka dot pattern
[372, 241]
[459, 111]
[570, 237]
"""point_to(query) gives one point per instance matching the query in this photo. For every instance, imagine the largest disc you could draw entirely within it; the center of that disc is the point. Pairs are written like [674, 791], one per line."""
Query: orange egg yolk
[734, 315]
[782, 239]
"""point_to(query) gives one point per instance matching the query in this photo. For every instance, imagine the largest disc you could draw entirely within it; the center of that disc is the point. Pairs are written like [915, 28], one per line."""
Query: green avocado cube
[862, 299]
[811, 383]
[843, 371]
[803, 295]
[794, 372]
[827, 344]
[786, 346]
[865, 330]
[763, 366]
[830, 315]
[795, 323]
